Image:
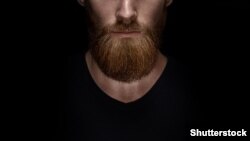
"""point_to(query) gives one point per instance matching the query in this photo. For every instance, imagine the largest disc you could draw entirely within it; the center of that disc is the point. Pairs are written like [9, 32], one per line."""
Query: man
[123, 88]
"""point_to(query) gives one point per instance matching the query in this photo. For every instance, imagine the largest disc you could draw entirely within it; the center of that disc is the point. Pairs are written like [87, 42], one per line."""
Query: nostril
[126, 11]
[126, 19]
[126, 16]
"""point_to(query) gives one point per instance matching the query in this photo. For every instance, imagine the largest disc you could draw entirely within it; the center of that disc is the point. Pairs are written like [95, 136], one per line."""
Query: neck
[125, 91]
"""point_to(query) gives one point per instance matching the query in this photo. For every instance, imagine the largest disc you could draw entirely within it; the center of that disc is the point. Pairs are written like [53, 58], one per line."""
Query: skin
[150, 13]
[107, 12]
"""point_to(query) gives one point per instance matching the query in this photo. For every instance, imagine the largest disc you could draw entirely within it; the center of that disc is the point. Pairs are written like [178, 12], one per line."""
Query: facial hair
[125, 59]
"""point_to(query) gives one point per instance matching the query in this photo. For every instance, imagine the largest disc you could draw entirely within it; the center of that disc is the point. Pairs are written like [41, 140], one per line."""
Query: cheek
[151, 12]
[103, 12]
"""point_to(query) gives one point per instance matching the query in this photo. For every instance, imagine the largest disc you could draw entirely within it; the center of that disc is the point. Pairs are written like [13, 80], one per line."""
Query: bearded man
[123, 88]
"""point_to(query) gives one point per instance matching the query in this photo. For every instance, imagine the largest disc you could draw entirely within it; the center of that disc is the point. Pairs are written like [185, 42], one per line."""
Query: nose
[126, 11]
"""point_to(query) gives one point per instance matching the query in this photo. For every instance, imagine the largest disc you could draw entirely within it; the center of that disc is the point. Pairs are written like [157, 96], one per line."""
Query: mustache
[122, 27]
[106, 31]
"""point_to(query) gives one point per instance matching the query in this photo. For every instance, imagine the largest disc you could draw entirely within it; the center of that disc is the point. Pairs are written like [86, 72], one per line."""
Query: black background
[212, 37]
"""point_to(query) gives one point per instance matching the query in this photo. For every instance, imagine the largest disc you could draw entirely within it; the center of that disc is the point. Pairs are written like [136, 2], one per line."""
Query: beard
[125, 59]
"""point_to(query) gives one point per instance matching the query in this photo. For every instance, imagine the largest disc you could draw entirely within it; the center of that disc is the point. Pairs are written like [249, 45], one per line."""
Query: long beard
[125, 59]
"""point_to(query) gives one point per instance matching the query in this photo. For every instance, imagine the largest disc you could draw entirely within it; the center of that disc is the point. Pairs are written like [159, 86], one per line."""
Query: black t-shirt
[160, 115]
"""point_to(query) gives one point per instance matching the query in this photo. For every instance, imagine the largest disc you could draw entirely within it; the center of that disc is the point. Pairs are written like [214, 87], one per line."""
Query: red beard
[125, 59]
